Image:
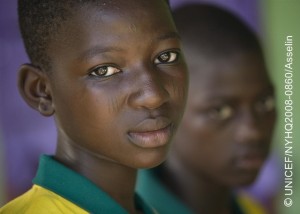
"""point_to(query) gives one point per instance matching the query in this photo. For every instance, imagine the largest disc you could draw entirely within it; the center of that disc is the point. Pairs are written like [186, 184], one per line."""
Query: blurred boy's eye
[221, 113]
[104, 71]
[266, 105]
[166, 57]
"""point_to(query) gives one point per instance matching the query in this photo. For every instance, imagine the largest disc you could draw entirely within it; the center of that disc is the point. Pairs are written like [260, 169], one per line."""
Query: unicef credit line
[288, 122]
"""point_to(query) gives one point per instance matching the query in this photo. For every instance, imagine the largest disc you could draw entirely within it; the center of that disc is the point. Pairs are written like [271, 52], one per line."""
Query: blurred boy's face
[119, 82]
[226, 131]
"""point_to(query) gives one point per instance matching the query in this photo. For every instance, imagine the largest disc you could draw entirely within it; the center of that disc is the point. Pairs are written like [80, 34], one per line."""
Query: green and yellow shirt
[60, 190]
[165, 202]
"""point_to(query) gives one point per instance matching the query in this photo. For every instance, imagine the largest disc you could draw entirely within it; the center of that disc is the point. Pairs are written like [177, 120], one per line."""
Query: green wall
[281, 18]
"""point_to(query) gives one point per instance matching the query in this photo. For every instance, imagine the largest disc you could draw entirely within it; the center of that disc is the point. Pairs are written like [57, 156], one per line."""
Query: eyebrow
[170, 35]
[96, 50]
[266, 91]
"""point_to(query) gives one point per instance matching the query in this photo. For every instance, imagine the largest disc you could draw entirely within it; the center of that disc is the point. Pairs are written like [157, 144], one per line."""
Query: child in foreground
[225, 135]
[112, 75]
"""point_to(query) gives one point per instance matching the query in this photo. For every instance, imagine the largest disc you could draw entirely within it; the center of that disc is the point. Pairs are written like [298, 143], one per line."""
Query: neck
[199, 193]
[115, 179]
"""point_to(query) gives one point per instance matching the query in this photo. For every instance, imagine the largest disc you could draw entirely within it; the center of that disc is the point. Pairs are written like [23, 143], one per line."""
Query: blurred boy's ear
[34, 87]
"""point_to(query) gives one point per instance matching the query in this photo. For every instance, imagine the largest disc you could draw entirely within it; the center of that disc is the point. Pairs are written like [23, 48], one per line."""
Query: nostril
[249, 128]
[248, 131]
[150, 96]
[150, 88]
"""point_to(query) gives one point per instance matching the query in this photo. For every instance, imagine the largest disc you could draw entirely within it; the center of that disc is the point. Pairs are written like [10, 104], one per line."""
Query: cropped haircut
[40, 22]
[214, 31]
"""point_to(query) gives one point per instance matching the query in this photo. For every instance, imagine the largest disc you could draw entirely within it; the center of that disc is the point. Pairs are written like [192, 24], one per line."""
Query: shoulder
[38, 199]
[249, 204]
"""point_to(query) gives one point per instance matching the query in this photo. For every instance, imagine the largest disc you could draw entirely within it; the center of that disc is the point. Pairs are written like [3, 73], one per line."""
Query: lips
[252, 160]
[151, 133]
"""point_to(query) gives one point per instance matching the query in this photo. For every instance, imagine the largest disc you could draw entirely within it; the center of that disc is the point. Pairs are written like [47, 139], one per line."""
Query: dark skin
[117, 90]
[226, 131]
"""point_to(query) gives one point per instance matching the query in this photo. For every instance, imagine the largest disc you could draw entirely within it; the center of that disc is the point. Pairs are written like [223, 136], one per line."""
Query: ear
[35, 88]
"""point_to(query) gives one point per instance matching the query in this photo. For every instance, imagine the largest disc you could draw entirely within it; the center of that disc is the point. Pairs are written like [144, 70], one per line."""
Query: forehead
[242, 74]
[132, 10]
[136, 10]
[110, 22]
[126, 16]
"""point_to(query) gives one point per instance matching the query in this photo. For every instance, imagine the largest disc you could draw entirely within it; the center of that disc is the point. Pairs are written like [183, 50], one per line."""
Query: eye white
[221, 113]
[173, 57]
[166, 57]
[268, 104]
[225, 112]
[104, 71]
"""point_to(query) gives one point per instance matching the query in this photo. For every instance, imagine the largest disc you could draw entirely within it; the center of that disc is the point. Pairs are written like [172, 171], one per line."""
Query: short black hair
[40, 22]
[214, 31]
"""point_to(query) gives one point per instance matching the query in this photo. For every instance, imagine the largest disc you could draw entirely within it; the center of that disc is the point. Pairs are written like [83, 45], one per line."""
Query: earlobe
[34, 87]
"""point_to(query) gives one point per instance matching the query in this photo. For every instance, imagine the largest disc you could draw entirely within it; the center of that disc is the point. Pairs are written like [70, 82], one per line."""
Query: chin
[151, 159]
[246, 179]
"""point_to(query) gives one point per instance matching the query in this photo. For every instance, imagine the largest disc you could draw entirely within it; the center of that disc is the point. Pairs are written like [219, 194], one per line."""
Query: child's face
[119, 82]
[226, 131]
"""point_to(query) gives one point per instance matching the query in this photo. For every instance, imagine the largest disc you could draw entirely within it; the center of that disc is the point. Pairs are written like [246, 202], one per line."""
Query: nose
[149, 91]
[248, 128]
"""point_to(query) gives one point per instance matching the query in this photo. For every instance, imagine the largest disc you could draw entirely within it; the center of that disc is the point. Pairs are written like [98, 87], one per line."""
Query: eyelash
[167, 57]
[104, 71]
[266, 104]
[221, 113]
[224, 112]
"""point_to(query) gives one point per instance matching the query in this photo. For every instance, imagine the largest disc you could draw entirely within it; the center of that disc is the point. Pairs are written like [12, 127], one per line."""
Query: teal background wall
[281, 18]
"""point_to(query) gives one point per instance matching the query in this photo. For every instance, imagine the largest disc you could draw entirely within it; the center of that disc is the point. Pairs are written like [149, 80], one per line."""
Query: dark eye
[104, 71]
[166, 57]
[221, 113]
[266, 104]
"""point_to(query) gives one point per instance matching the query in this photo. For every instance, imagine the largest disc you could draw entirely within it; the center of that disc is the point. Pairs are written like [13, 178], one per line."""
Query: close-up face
[226, 130]
[119, 81]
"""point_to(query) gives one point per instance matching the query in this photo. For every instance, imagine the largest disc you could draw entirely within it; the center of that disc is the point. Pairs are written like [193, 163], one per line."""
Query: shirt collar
[74, 187]
[151, 188]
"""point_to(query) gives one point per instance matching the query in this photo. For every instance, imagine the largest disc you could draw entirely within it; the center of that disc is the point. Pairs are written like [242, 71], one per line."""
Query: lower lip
[253, 163]
[151, 139]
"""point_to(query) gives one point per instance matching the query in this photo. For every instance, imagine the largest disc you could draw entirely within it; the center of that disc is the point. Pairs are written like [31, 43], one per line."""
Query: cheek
[178, 86]
[271, 122]
[87, 111]
[196, 129]
[204, 141]
[266, 126]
